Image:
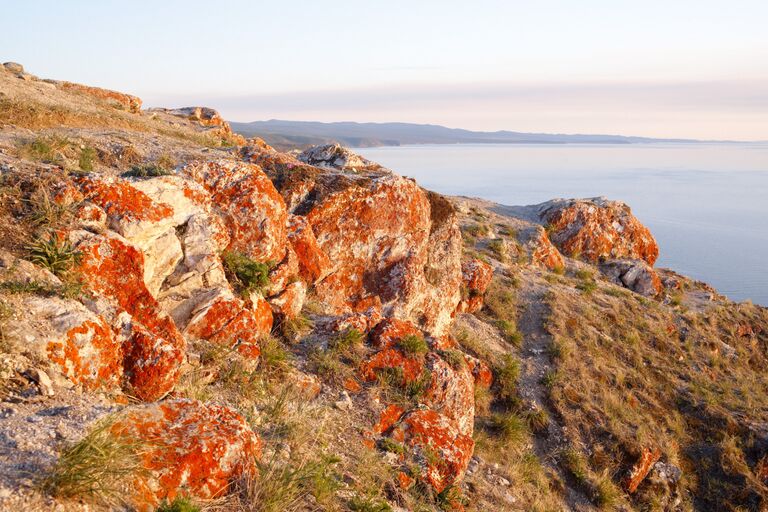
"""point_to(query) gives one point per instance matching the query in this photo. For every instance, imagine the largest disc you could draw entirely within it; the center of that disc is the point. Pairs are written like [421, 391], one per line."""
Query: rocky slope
[191, 319]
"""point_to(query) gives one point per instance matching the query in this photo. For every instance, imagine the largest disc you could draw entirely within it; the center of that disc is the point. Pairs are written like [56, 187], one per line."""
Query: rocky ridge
[199, 303]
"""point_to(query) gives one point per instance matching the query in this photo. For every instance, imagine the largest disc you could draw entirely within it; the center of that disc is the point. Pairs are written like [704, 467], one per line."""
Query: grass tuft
[55, 254]
[246, 274]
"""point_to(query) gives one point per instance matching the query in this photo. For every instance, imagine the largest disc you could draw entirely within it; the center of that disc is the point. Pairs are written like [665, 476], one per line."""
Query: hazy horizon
[682, 70]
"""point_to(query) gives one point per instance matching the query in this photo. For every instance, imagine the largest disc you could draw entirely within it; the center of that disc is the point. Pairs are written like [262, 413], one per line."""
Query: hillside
[191, 320]
[290, 134]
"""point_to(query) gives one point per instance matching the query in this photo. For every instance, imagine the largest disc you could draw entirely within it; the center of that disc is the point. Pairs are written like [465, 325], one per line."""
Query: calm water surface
[706, 204]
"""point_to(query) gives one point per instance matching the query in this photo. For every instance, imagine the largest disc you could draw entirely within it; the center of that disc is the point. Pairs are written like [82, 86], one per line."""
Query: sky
[672, 68]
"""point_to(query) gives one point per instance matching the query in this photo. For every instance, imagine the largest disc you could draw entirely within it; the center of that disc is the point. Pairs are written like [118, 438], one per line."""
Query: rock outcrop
[390, 245]
[636, 275]
[192, 449]
[597, 229]
[334, 156]
[117, 99]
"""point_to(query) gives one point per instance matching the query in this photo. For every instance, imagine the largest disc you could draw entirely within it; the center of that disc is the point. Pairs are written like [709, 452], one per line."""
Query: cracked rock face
[598, 229]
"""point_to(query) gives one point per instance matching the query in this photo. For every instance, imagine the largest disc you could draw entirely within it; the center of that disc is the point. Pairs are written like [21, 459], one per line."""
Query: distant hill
[305, 133]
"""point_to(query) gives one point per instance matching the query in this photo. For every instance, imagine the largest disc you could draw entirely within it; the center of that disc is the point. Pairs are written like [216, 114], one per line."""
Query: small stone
[42, 380]
[344, 403]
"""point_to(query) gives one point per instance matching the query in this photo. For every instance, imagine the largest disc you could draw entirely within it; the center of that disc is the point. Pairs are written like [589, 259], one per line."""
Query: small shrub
[179, 504]
[390, 445]
[44, 149]
[575, 462]
[584, 274]
[509, 331]
[455, 358]
[413, 345]
[87, 156]
[166, 161]
[537, 420]
[509, 426]
[247, 275]
[101, 467]
[587, 287]
[550, 379]
[346, 340]
[146, 171]
[498, 248]
[56, 255]
[507, 375]
[273, 355]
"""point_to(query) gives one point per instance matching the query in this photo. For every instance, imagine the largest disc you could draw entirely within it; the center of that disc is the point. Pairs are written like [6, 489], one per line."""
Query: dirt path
[534, 364]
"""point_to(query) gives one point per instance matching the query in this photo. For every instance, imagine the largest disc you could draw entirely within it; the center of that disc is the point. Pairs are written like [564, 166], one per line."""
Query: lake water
[706, 204]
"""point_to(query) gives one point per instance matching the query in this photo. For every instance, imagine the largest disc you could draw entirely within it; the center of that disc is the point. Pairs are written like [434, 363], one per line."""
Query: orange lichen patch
[390, 331]
[388, 417]
[481, 372]
[193, 449]
[152, 364]
[89, 355]
[391, 358]
[442, 451]
[444, 342]
[254, 212]
[314, 264]
[114, 268]
[352, 385]
[596, 229]
[121, 200]
[545, 254]
[228, 322]
[66, 193]
[641, 468]
[476, 277]
[404, 480]
[125, 101]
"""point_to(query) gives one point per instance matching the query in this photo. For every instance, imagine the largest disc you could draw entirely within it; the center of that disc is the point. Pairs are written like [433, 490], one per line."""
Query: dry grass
[99, 469]
[632, 375]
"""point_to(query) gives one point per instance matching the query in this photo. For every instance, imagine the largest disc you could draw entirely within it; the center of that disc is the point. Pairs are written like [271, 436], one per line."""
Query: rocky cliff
[192, 319]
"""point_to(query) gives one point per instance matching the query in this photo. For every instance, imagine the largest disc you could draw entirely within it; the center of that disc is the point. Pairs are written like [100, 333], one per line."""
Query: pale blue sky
[659, 68]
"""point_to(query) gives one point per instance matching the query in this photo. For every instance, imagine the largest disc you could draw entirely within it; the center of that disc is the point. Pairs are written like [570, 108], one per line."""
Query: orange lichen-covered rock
[124, 101]
[151, 363]
[207, 117]
[193, 449]
[545, 254]
[226, 320]
[451, 392]
[79, 344]
[390, 331]
[641, 468]
[389, 243]
[285, 272]
[114, 268]
[361, 322]
[289, 302]
[597, 229]
[388, 417]
[412, 367]
[481, 372]
[443, 452]
[476, 277]
[337, 157]
[254, 212]
[313, 262]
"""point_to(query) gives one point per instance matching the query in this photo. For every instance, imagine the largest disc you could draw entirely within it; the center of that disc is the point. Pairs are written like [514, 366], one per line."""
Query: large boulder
[253, 211]
[391, 245]
[79, 345]
[597, 229]
[442, 451]
[192, 449]
[113, 268]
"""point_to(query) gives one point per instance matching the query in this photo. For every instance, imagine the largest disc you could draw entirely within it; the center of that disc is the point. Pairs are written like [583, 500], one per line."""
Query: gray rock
[13, 67]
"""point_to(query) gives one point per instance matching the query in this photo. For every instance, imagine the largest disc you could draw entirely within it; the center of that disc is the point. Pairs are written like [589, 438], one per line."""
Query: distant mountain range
[286, 134]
